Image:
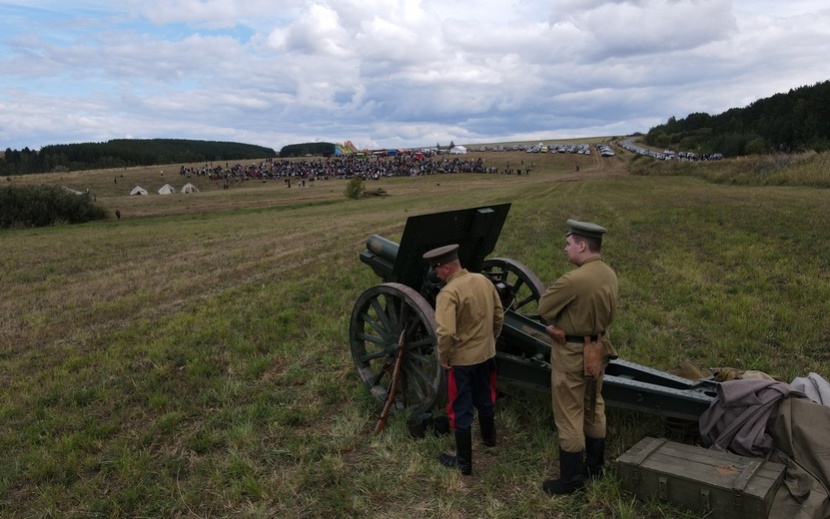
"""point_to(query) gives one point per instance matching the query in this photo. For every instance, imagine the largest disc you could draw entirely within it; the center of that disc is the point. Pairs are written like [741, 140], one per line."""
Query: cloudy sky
[391, 73]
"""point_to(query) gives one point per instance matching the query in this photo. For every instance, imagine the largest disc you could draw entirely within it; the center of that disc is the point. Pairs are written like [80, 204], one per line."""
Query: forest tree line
[796, 121]
[122, 153]
[308, 148]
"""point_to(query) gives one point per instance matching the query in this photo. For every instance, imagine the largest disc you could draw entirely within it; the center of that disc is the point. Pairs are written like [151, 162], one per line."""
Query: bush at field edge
[39, 206]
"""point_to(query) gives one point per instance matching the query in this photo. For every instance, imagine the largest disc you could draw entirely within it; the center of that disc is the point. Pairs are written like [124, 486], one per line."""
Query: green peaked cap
[442, 255]
[587, 229]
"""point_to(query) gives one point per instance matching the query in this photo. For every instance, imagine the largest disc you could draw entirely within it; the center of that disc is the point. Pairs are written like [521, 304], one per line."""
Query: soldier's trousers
[572, 399]
[469, 388]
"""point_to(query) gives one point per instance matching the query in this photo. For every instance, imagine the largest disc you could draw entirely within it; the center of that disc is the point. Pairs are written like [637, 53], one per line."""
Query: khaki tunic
[469, 316]
[581, 302]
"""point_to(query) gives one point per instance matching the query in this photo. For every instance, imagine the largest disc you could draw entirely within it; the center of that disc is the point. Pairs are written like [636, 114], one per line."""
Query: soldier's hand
[557, 334]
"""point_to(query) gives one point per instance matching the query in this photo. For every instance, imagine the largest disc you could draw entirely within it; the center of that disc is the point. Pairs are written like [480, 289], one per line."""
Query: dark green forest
[796, 121]
[308, 148]
[122, 153]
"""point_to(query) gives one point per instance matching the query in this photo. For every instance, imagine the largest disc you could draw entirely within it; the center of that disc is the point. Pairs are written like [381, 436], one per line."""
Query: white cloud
[206, 13]
[401, 72]
[649, 27]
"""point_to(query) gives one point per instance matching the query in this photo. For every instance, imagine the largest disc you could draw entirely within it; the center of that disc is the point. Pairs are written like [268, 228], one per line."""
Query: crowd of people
[371, 167]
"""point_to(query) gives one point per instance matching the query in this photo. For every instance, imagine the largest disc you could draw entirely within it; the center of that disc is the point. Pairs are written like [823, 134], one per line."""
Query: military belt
[581, 338]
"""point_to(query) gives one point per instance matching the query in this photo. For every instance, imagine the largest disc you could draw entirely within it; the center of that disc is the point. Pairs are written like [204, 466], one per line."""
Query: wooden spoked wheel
[379, 316]
[525, 287]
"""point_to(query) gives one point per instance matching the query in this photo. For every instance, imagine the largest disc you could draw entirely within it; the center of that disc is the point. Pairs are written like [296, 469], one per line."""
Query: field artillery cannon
[404, 304]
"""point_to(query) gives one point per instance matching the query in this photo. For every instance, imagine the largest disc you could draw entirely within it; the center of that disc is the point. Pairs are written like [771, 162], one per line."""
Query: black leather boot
[570, 474]
[441, 425]
[418, 425]
[463, 459]
[487, 424]
[594, 457]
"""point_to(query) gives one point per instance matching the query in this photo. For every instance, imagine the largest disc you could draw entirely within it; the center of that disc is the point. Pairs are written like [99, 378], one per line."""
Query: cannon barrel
[475, 230]
[380, 254]
[386, 249]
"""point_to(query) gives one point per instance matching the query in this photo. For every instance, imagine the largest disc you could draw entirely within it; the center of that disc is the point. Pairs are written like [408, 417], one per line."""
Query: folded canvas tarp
[167, 189]
[190, 188]
[138, 190]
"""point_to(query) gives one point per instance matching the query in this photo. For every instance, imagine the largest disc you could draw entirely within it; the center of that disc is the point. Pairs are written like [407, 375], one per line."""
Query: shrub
[355, 188]
[38, 206]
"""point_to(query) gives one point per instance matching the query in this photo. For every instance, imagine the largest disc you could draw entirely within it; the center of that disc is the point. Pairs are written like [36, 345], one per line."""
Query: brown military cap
[587, 229]
[442, 255]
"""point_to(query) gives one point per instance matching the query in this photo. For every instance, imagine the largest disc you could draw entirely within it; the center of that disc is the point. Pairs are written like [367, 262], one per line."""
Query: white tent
[74, 191]
[167, 189]
[458, 150]
[138, 190]
[190, 188]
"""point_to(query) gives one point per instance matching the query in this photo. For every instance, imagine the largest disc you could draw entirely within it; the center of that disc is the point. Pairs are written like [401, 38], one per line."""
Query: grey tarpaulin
[814, 386]
[802, 443]
[737, 419]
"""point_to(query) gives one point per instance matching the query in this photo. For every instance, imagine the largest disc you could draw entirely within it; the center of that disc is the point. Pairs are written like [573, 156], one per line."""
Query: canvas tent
[138, 190]
[167, 189]
[459, 150]
[189, 188]
[74, 191]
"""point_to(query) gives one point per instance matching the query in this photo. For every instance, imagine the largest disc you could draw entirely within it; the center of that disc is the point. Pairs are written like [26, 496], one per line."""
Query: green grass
[805, 169]
[195, 362]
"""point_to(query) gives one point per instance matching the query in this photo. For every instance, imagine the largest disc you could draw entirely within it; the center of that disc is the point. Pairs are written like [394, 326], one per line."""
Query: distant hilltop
[125, 153]
[325, 149]
[796, 121]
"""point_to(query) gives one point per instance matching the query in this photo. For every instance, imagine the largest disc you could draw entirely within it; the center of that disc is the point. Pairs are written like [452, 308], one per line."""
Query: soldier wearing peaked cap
[441, 255]
[469, 317]
[580, 307]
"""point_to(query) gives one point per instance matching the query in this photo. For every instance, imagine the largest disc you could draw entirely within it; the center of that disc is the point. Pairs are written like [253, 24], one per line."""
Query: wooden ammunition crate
[721, 483]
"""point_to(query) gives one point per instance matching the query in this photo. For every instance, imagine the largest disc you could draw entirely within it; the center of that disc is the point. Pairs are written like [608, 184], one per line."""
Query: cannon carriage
[396, 318]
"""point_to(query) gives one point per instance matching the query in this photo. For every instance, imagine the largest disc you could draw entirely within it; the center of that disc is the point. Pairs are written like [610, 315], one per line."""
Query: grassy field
[192, 359]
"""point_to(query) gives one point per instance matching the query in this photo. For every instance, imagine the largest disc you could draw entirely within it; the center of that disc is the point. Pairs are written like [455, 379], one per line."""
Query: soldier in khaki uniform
[581, 306]
[469, 316]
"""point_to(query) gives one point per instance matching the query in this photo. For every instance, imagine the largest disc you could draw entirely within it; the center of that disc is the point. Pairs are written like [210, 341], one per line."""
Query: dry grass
[192, 359]
[112, 186]
[804, 169]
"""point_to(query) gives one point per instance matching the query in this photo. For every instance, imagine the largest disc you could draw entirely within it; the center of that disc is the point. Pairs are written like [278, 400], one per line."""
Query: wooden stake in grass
[391, 398]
